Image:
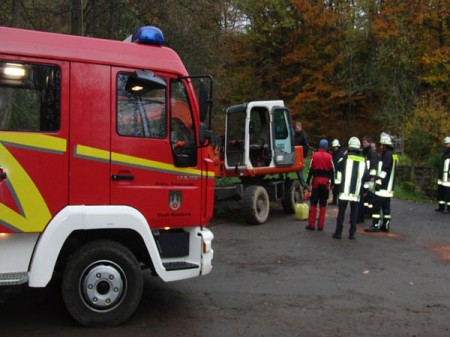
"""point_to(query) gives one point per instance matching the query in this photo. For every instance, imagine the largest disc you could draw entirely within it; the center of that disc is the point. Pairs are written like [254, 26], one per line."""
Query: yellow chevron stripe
[34, 140]
[98, 154]
[35, 211]
[211, 174]
[87, 151]
[151, 164]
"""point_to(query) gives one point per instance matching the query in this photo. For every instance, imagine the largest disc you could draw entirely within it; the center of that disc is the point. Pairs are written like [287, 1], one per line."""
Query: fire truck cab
[103, 168]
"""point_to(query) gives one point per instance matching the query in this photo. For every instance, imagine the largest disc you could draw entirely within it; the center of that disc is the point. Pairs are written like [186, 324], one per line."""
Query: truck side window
[140, 115]
[182, 132]
[30, 96]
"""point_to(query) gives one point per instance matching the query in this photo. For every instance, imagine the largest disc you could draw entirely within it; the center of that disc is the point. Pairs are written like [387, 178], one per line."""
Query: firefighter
[366, 204]
[321, 176]
[301, 139]
[384, 186]
[337, 155]
[443, 190]
[352, 168]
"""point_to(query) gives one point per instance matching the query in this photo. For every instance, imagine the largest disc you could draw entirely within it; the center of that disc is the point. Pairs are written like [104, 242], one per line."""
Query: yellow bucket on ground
[301, 212]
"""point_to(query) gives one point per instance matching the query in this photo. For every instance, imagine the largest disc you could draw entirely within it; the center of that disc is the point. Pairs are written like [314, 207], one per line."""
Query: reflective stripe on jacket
[387, 167]
[444, 175]
[355, 176]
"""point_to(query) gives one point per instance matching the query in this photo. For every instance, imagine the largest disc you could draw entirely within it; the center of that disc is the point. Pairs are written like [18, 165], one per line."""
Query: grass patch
[406, 193]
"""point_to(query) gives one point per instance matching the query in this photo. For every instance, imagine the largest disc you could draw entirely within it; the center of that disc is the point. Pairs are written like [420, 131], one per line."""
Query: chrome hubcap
[103, 286]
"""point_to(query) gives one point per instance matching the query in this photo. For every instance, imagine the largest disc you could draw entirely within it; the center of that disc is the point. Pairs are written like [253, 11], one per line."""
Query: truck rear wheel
[293, 194]
[102, 284]
[255, 205]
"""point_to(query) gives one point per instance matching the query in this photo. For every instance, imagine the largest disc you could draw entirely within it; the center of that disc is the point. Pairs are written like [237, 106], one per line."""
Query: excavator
[254, 159]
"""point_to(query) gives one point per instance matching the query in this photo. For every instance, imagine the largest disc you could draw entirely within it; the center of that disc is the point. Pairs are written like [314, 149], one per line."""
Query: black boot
[385, 226]
[375, 226]
[441, 208]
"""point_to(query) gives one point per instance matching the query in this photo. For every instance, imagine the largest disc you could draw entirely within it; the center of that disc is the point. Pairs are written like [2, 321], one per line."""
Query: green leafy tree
[411, 38]
[316, 88]
[344, 67]
[425, 129]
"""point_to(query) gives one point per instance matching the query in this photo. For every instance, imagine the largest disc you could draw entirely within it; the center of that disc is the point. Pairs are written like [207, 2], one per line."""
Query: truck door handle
[127, 177]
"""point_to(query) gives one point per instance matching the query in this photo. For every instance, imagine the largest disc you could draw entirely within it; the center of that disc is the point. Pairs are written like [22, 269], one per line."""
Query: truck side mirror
[203, 101]
[205, 133]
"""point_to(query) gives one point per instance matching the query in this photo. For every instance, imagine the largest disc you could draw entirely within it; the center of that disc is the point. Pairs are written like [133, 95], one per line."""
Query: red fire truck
[103, 168]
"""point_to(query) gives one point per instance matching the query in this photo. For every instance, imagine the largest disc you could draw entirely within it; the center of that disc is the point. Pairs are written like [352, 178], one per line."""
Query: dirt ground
[277, 279]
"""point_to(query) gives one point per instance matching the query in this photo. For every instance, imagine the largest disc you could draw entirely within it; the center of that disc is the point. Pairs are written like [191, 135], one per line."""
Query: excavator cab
[258, 149]
[258, 135]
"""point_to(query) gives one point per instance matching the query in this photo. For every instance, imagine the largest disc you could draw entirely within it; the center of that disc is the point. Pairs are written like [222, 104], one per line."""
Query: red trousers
[319, 196]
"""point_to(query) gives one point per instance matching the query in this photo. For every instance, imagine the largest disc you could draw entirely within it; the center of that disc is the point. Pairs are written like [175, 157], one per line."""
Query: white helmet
[335, 143]
[385, 139]
[447, 140]
[354, 143]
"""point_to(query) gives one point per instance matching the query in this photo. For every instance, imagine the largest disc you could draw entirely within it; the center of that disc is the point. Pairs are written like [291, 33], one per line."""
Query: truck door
[154, 158]
[34, 133]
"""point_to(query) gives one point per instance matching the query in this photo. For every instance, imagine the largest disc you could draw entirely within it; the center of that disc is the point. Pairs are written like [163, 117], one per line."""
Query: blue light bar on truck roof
[148, 35]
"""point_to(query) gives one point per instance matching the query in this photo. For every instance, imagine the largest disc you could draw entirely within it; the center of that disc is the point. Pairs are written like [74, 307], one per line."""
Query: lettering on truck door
[154, 158]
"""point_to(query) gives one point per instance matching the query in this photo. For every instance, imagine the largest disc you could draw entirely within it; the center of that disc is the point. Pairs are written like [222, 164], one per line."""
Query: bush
[418, 146]
[425, 129]
[404, 160]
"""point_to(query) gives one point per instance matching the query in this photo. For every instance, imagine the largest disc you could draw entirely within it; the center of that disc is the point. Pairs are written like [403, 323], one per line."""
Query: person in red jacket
[320, 179]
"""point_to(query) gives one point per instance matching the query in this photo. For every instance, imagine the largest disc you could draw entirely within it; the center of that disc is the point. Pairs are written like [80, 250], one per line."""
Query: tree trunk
[75, 17]
[16, 7]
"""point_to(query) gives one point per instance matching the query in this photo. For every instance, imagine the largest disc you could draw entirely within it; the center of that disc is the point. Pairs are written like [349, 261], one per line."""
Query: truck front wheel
[102, 284]
[255, 205]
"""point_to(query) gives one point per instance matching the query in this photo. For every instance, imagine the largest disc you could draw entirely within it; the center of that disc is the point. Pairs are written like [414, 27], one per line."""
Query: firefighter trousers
[443, 196]
[381, 205]
[354, 206]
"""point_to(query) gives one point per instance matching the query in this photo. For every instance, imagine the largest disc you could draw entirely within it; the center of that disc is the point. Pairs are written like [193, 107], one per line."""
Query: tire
[102, 284]
[293, 194]
[255, 205]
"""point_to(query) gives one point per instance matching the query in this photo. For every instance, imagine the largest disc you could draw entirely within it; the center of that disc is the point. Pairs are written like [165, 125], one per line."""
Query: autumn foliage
[343, 67]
